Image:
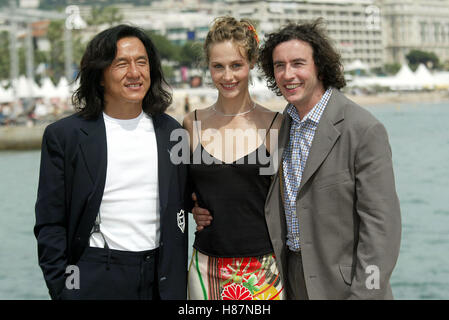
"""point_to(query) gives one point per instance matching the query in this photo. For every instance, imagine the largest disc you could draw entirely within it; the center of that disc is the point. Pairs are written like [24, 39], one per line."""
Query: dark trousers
[296, 285]
[115, 275]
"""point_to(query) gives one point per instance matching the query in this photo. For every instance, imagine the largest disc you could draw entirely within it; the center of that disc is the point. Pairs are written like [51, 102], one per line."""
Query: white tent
[259, 89]
[48, 89]
[404, 72]
[364, 82]
[27, 88]
[424, 77]
[63, 89]
[405, 79]
[356, 65]
[6, 95]
[441, 80]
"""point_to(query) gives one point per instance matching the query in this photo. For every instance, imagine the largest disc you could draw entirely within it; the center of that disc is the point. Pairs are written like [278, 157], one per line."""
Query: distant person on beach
[110, 220]
[233, 258]
[1, 115]
[186, 105]
[332, 210]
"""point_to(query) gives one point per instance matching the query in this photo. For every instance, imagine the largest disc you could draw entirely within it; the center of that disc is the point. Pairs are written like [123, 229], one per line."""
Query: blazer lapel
[325, 137]
[163, 156]
[283, 138]
[274, 214]
[94, 149]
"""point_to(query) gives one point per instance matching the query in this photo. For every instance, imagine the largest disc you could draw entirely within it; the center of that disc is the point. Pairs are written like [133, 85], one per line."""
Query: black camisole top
[234, 193]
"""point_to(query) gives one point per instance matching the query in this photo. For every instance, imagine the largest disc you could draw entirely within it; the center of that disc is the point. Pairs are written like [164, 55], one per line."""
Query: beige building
[354, 25]
[375, 32]
[415, 24]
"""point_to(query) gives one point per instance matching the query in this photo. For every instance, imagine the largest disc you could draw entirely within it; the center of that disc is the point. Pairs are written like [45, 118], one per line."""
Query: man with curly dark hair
[332, 210]
[110, 207]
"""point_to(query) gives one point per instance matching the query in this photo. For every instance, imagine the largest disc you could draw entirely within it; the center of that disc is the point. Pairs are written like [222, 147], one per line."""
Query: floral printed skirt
[248, 278]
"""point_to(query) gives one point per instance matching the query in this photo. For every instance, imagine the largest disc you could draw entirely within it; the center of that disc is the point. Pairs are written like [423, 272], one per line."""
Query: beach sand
[22, 137]
[278, 103]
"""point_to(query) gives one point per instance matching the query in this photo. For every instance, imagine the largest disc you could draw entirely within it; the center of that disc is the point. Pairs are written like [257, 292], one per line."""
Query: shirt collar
[314, 115]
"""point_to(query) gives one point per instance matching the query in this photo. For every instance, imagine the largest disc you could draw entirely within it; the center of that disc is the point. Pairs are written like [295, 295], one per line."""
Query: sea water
[419, 137]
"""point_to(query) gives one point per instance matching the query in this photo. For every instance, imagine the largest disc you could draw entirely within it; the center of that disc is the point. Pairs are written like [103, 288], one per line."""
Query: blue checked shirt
[294, 161]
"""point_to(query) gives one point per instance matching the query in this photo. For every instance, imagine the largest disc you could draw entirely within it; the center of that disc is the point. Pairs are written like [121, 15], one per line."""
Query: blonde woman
[233, 257]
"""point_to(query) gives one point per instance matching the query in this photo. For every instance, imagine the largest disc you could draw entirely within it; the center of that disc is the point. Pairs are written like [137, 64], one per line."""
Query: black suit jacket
[71, 185]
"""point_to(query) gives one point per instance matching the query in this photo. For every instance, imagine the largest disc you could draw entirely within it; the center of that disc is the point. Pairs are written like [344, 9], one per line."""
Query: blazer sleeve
[50, 228]
[377, 206]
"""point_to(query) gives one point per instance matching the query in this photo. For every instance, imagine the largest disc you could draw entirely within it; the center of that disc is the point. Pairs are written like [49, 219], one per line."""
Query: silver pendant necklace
[234, 114]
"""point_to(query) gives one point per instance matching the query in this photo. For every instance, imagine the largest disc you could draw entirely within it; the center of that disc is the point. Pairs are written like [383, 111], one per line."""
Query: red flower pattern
[240, 269]
[236, 291]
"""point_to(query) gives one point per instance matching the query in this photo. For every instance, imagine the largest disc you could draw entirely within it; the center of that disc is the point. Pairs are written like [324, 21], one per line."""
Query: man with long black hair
[110, 207]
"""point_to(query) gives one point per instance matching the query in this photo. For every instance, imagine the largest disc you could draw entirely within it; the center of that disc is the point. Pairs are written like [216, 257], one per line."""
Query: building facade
[415, 24]
[354, 25]
[375, 32]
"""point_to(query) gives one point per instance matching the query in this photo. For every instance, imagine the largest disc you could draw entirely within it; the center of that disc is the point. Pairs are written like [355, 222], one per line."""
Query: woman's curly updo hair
[242, 32]
[327, 60]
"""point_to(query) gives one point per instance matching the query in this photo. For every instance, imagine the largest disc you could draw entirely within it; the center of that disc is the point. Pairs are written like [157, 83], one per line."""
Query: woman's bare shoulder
[269, 115]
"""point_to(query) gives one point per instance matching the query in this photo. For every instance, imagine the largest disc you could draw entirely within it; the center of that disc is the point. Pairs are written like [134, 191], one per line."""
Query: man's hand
[202, 216]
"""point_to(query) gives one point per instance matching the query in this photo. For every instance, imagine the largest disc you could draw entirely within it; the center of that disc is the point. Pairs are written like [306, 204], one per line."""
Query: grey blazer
[347, 206]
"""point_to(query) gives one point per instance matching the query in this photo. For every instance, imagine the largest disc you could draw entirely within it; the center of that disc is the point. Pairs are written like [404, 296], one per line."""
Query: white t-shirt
[129, 210]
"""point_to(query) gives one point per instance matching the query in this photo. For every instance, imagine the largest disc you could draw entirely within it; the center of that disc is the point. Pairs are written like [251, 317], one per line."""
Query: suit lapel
[283, 138]
[94, 149]
[274, 214]
[325, 136]
[163, 156]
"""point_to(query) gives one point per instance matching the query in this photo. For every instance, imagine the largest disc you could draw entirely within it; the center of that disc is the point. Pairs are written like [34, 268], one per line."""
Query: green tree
[191, 54]
[415, 57]
[392, 68]
[167, 49]
[55, 58]
[104, 15]
[4, 3]
[4, 55]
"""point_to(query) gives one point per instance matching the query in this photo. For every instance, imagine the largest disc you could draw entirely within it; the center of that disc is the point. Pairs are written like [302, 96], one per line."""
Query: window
[423, 31]
[436, 29]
